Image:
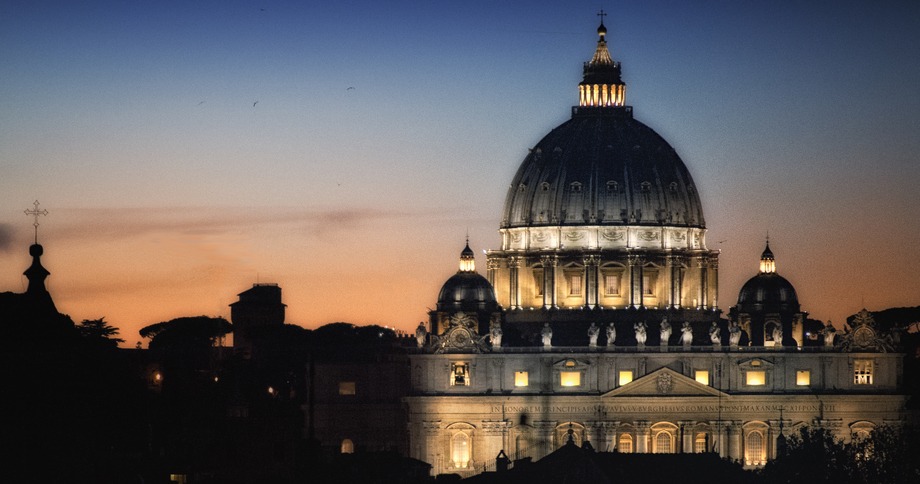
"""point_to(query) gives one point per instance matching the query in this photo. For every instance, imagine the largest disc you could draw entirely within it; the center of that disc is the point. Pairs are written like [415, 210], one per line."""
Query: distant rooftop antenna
[35, 212]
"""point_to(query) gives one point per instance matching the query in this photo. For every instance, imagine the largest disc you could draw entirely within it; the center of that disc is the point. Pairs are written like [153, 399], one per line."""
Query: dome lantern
[767, 262]
[602, 85]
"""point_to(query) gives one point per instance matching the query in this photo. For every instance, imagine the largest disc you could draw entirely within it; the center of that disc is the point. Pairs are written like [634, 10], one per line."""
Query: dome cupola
[768, 290]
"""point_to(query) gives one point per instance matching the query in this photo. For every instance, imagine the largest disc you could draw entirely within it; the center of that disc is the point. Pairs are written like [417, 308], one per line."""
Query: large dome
[602, 167]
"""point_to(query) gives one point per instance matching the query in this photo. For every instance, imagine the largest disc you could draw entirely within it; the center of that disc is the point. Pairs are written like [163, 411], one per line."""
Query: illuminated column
[514, 264]
[686, 432]
[544, 431]
[721, 437]
[591, 263]
[492, 265]
[773, 435]
[734, 441]
[674, 274]
[642, 432]
[635, 280]
[701, 265]
[549, 280]
[430, 433]
[714, 275]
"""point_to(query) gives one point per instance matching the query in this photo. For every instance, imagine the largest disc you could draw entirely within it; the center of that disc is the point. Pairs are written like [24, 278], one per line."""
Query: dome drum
[602, 237]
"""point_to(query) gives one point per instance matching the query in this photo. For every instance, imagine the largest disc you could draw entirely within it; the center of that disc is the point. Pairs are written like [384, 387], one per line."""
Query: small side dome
[768, 291]
[466, 290]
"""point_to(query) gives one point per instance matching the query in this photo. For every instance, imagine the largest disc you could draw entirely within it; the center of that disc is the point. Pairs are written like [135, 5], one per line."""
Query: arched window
[663, 443]
[347, 447]
[460, 450]
[754, 452]
[701, 443]
[625, 444]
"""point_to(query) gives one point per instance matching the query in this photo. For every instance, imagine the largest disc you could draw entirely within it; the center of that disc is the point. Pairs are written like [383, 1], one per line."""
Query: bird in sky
[202, 102]
[350, 88]
[254, 104]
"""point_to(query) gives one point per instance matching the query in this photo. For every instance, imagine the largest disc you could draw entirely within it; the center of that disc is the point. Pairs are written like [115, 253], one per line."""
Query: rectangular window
[803, 378]
[755, 378]
[570, 378]
[648, 283]
[862, 372]
[702, 376]
[459, 374]
[575, 281]
[626, 376]
[612, 285]
[521, 379]
[538, 283]
[346, 388]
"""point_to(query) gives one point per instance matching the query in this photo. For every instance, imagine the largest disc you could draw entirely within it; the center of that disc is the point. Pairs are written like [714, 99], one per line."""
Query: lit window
[348, 447]
[702, 376]
[648, 283]
[803, 378]
[755, 378]
[346, 388]
[626, 376]
[459, 374]
[663, 443]
[520, 379]
[570, 378]
[754, 453]
[538, 282]
[575, 284]
[625, 444]
[612, 285]
[862, 372]
[701, 443]
[460, 450]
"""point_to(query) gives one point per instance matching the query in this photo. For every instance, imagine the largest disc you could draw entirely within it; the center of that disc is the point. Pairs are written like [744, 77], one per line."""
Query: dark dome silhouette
[768, 290]
[466, 291]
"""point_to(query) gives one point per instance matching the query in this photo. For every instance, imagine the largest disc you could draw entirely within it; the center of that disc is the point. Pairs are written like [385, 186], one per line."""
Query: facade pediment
[664, 382]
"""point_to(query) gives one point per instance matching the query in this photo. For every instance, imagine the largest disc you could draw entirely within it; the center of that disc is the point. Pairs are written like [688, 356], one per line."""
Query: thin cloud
[6, 237]
[123, 223]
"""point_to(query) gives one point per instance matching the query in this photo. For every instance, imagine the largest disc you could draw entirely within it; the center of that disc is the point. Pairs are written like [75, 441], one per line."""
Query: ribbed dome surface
[770, 290]
[602, 167]
[466, 291]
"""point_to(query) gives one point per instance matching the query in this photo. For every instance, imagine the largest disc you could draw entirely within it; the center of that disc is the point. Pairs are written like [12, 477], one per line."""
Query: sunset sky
[188, 149]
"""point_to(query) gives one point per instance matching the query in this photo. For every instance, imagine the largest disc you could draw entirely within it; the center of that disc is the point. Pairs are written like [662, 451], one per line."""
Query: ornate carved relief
[611, 234]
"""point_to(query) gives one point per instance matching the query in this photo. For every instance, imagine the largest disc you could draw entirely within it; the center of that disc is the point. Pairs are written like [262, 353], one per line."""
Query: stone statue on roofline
[715, 334]
[593, 332]
[734, 334]
[421, 334]
[495, 334]
[665, 332]
[829, 333]
[611, 334]
[686, 334]
[641, 334]
[547, 335]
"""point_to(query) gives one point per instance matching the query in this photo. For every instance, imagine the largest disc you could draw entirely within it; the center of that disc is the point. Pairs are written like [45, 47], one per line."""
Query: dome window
[575, 187]
[613, 186]
[646, 187]
[522, 187]
[673, 187]
[544, 186]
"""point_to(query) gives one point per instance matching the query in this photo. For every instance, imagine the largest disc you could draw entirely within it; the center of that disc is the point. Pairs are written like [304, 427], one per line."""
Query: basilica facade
[598, 320]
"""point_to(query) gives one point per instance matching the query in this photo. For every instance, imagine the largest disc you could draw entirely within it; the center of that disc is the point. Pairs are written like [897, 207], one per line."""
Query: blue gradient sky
[170, 192]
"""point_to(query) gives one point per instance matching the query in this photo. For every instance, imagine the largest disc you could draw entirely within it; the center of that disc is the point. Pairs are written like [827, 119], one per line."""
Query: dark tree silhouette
[97, 331]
